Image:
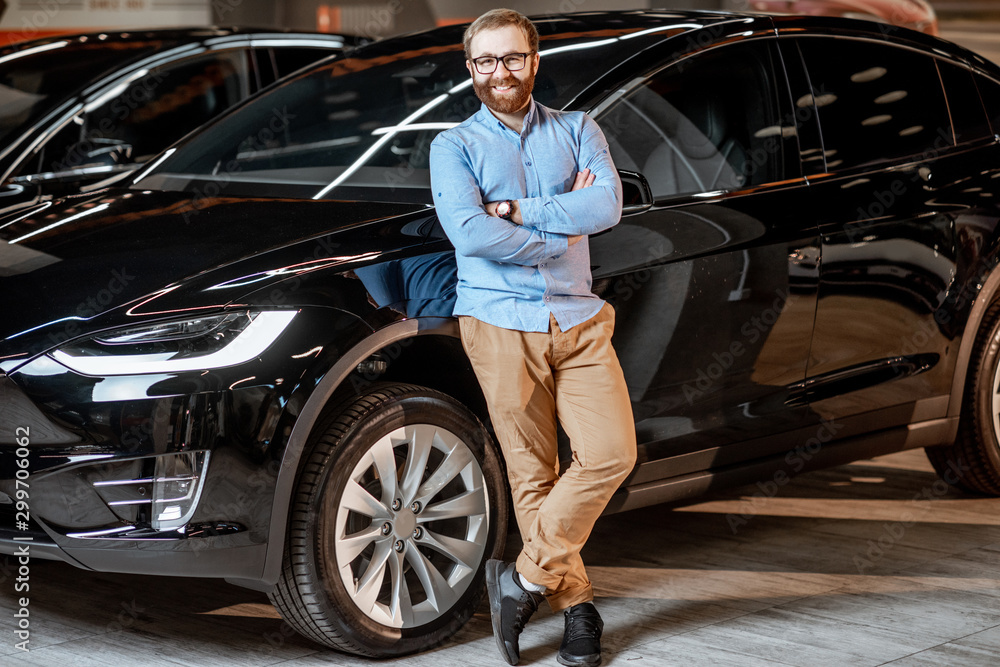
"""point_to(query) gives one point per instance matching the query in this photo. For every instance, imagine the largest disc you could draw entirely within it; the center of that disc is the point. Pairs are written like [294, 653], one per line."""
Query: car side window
[152, 112]
[989, 90]
[875, 102]
[711, 122]
[968, 119]
[161, 107]
[288, 60]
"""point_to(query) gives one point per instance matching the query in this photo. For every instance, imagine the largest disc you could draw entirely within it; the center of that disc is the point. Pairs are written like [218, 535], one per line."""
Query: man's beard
[508, 103]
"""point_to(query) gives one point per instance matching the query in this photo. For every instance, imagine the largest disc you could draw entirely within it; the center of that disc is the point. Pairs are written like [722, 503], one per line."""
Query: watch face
[503, 209]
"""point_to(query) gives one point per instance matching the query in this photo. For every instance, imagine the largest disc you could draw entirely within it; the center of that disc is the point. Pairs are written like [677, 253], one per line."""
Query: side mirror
[637, 195]
[107, 153]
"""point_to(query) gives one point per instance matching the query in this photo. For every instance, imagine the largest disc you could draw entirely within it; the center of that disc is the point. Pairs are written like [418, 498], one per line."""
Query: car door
[121, 126]
[714, 285]
[890, 191]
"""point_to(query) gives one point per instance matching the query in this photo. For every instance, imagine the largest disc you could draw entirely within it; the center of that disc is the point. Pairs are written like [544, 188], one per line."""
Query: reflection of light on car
[894, 96]
[876, 120]
[869, 75]
[377, 145]
[79, 215]
[856, 181]
[817, 100]
[27, 52]
[774, 131]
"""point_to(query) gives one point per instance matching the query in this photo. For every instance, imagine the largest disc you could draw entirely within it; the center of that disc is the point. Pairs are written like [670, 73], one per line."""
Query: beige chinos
[530, 380]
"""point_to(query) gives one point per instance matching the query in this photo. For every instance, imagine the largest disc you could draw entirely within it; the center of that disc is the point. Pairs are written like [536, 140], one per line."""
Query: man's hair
[499, 18]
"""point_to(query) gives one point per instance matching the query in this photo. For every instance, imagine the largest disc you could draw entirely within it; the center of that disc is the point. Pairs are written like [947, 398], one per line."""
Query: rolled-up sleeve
[585, 211]
[472, 231]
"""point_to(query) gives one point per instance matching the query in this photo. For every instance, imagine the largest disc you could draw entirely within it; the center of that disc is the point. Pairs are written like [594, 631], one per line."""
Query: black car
[78, 109]
[243, 364]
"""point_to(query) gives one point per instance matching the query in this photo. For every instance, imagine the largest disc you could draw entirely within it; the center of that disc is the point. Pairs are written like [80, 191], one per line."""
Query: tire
[367, 576]
[972, 464]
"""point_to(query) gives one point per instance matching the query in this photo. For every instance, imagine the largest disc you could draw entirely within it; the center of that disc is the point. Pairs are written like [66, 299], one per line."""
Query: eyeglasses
[512, 61]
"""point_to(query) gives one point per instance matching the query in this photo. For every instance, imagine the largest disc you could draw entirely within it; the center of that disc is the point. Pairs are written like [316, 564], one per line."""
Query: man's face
[503, 91]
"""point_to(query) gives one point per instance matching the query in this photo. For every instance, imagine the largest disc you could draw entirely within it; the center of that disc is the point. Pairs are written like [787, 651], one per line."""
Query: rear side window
[967, 116]
[990, 92]
[875, 102]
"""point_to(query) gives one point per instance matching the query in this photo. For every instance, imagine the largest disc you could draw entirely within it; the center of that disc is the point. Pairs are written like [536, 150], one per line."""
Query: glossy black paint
[763, 329]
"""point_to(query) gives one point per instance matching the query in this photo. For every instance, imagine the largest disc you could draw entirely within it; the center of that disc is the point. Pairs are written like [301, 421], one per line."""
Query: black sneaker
[510, 607]
[581, 644]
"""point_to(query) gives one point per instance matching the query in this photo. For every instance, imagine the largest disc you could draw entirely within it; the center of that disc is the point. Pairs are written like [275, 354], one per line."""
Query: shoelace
[524, 612]
[582, 626]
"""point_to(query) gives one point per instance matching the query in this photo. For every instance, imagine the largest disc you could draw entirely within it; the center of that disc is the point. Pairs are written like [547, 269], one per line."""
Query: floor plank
[676, 585]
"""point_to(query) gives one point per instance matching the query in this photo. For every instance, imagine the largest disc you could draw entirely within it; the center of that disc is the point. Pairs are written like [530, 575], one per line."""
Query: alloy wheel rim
[995, 403]
[410, 526]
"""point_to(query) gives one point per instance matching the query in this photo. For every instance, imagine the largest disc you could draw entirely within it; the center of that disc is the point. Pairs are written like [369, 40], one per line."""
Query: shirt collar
[486, 116]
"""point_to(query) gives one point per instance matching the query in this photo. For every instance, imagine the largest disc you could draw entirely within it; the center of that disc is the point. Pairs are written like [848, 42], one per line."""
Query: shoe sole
[494, 568]
[584, 662]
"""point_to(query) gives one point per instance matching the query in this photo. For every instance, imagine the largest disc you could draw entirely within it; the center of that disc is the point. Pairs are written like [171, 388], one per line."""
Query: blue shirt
[513, 276]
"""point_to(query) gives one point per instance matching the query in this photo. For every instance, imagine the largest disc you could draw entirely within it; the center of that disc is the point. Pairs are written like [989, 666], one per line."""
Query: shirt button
[528, 163]
[548, 298]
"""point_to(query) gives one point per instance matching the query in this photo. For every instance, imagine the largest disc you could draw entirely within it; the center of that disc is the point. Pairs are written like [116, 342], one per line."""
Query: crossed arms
[541, 227]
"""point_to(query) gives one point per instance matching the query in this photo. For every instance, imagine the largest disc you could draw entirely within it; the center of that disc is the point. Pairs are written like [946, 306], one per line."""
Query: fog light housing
[167, 499]
[177, 485]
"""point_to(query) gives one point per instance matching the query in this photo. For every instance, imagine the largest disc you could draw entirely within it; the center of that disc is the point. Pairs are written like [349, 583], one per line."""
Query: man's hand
[583, 179]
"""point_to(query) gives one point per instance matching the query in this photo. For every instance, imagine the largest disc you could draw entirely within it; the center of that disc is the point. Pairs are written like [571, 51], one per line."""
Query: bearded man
[518, 187]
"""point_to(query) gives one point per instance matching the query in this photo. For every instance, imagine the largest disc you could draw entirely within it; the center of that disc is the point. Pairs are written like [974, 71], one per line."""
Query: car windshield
[35, 79]
[361, 127]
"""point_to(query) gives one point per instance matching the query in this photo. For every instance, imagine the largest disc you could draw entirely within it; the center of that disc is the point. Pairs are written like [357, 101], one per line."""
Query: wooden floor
[873, 563]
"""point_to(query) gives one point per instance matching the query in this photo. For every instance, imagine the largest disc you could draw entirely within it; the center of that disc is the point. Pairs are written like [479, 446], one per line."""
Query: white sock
[530, 587]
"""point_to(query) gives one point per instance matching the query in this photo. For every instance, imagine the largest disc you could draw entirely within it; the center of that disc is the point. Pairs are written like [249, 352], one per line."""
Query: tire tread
[295, 595]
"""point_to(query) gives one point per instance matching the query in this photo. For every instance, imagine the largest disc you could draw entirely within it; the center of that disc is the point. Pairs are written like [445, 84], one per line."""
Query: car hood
[87, 262]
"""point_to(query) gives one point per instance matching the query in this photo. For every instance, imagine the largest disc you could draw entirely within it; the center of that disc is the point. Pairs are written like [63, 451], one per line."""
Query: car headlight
[213, 341]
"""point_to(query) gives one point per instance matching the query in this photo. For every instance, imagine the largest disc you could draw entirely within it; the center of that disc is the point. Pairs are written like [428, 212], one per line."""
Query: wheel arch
[413, 336]
[986, 295]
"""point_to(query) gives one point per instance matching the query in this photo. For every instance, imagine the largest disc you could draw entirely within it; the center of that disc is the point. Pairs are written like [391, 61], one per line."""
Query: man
[517, 188]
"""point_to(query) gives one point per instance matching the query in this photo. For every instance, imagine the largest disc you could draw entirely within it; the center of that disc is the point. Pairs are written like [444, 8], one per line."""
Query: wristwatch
[505, 209]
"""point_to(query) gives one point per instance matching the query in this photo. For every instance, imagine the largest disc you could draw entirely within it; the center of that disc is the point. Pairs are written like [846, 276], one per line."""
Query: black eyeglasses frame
[503, 59]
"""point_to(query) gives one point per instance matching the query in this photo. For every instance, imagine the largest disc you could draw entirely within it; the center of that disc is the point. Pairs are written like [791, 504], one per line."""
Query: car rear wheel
[973, 463]
[400, 502]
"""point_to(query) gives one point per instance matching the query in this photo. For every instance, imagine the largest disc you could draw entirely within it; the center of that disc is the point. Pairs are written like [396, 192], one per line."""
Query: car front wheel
[400, 502]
